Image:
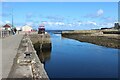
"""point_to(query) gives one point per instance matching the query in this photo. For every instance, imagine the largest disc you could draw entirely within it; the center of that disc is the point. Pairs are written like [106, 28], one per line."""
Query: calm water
[73, 59]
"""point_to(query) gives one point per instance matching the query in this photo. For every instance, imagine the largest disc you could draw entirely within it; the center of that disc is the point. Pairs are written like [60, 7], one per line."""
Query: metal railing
[5, 33]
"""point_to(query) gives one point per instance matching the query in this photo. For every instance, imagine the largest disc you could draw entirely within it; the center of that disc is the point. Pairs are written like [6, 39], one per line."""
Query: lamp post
[12, 23]
[12, 18]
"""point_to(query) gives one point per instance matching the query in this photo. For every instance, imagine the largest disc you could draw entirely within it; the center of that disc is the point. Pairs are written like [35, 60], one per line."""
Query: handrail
[5, 33]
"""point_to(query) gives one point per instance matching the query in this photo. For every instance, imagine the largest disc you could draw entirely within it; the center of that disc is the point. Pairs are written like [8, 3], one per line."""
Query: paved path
[9, 50]
[0, 59]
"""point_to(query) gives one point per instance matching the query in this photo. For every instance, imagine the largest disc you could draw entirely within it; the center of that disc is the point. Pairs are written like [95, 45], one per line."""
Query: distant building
[18, 28]
[7, 27]
[105, 28]
[26, 28]
[116, 26]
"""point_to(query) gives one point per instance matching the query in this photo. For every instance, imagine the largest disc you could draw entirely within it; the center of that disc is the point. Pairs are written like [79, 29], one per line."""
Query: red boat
[41, 29]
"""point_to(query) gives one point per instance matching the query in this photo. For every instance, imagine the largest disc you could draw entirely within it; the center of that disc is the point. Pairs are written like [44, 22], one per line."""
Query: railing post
[2, 33]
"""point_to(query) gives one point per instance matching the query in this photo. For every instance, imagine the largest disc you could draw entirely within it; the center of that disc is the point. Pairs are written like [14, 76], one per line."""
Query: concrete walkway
[9, 50]
[0, 59]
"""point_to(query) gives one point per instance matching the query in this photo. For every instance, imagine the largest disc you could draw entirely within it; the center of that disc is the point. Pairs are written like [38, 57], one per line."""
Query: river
[74, 59]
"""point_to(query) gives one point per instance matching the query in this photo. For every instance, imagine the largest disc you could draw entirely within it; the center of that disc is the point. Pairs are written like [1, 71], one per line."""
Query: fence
[5, 33]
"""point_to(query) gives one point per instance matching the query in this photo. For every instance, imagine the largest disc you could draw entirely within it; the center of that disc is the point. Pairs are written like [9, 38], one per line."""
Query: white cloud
[50, 23]
[60, 23]
[44, 22]
[84, 25]
[55, 18]
[1, 22]
[70, 24]
[53, 23]
[109, 19]
[29, 23]
[7, 21]
[79, 23]
[76, 23]
[97, 14]
[91, 22]
[100, 12]
[107, 25]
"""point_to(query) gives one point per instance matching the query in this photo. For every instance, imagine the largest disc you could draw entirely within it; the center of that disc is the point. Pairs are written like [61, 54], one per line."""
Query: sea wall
[42, 44]
[41, 40]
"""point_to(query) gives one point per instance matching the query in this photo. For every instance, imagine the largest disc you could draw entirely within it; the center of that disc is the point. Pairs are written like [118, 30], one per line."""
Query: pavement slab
[9, 50]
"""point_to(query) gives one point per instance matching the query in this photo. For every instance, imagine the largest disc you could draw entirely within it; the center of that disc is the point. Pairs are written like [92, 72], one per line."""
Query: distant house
[7, 27]
[26, 28]
[18, 28]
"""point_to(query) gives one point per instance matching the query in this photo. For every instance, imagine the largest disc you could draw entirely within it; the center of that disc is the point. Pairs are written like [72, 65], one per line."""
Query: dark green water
[73, 59]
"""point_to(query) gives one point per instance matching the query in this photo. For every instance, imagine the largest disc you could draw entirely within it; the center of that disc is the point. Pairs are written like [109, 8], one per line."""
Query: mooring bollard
[28, 54]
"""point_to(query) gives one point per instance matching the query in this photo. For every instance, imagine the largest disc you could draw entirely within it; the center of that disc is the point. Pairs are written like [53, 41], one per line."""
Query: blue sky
[61, 15]
[60, 0]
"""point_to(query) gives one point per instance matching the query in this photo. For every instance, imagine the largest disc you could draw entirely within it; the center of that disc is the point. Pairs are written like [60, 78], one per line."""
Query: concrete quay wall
[26, 63]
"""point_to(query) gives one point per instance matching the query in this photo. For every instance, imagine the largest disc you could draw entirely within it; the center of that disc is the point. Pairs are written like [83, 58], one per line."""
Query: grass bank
[95, 37]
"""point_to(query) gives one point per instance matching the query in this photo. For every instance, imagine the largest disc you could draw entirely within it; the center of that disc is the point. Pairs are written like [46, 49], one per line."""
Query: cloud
[53, 23]
[71, 25]
[55, 18]
[7, 22]
[5, 14]
[91, 22]
[81, 25]
[100, 12]
[60, 23]
[108, 19]
[29, 15]
[108, 25]
[78, 23]
[29, 23]
[97, 14]
[1, 23]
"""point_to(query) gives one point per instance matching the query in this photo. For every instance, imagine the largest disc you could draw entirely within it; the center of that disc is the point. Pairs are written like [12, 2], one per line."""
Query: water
[73, 59]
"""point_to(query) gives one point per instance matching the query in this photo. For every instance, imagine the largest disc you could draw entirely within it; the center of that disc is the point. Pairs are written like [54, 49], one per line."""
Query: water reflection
[43, 54]
[71, 58]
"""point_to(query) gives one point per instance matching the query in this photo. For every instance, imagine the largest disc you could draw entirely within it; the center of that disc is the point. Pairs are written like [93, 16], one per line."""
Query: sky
[60, 0]
[61, 15]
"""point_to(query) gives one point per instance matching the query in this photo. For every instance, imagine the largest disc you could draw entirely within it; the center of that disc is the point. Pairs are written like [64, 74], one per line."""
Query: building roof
[7, 26]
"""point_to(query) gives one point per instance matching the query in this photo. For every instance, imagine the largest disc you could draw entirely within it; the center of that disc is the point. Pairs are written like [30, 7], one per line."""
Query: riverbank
[97, 37]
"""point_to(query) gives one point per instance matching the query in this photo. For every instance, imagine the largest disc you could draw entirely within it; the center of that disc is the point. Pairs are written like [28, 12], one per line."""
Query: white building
[26, 28]
[18, 28]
